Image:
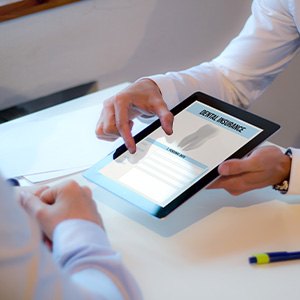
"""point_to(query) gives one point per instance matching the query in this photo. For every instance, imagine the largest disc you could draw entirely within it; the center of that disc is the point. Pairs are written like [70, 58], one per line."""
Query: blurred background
[64, 53]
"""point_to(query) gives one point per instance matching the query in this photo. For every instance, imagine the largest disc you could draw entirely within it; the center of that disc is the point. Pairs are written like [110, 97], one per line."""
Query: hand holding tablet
[167, 170]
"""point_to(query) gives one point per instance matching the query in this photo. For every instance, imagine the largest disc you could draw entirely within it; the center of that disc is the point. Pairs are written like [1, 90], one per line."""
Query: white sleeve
[85, 268]
[294, 182]
[248, 65]
[83, 250]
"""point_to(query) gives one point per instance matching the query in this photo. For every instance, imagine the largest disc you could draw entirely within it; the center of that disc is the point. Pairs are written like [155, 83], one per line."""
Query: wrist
[150, 84]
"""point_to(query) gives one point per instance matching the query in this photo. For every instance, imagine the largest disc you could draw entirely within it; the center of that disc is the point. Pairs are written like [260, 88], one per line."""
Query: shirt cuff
[71, 235]
[294, 182]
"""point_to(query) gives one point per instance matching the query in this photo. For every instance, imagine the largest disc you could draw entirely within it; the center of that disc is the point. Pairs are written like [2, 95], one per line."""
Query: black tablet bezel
[268, 128]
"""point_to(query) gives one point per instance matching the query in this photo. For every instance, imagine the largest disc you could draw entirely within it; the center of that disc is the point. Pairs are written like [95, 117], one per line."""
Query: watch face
[282, 187]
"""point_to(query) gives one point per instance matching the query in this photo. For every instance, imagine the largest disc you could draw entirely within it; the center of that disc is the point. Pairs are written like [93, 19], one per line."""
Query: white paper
[44, 176]
[56, 140]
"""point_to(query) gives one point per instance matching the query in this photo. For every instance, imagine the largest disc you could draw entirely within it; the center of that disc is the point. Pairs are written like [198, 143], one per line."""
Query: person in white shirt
[82, 264]
[240, 74]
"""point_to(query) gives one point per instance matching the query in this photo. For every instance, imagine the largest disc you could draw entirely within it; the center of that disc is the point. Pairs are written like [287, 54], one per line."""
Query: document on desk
[44, 146]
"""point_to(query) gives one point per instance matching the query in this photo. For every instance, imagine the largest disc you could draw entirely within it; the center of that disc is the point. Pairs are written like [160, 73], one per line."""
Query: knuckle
[99, 131]
[40, 214]
[108, 103]
[86, 188]
[121, 125]
[121, 99]
[108, 129]
[72, 184]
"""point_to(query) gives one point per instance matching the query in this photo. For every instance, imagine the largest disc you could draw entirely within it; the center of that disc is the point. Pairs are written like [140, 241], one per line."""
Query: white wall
[70, 45]
[114, 41]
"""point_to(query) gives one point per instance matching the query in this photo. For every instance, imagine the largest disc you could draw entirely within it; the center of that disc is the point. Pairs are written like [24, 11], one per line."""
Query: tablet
[167, 170]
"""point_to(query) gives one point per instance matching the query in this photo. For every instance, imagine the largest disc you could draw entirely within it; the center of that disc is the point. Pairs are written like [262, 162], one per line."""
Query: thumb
[31, 203]
[235, 167]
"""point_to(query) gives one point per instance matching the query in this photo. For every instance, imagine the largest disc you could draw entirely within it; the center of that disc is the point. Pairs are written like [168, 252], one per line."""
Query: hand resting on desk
[83, 264]
[52, 205]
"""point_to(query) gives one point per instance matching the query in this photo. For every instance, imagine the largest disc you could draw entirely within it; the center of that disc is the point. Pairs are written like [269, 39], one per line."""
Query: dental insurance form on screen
[164, 166]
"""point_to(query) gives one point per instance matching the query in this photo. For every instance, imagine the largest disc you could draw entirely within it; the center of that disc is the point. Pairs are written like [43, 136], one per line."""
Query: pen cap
[13, 181]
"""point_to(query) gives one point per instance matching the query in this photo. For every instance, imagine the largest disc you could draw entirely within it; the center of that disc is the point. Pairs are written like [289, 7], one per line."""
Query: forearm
[247, 66]
[96, 268]
[206, 77]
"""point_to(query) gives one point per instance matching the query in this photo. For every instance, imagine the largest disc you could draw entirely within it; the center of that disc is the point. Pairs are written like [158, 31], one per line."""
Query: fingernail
[131, 149]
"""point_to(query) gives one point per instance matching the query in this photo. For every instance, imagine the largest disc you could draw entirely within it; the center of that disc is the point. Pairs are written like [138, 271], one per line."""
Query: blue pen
[270, 257]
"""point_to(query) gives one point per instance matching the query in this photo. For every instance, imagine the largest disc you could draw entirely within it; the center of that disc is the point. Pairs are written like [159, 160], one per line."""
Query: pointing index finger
[124, 125]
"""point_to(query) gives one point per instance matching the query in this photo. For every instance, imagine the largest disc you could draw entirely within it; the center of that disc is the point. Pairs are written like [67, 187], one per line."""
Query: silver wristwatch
[283, 186]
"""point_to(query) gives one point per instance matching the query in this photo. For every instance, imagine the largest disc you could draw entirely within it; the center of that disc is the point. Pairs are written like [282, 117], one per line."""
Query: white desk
[201, 250]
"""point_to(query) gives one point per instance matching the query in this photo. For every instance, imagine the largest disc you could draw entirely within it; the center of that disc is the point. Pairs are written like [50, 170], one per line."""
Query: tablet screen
[164, 167]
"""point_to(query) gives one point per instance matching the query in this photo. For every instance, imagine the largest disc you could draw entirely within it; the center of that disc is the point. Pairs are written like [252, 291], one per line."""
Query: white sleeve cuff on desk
[72, 235]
